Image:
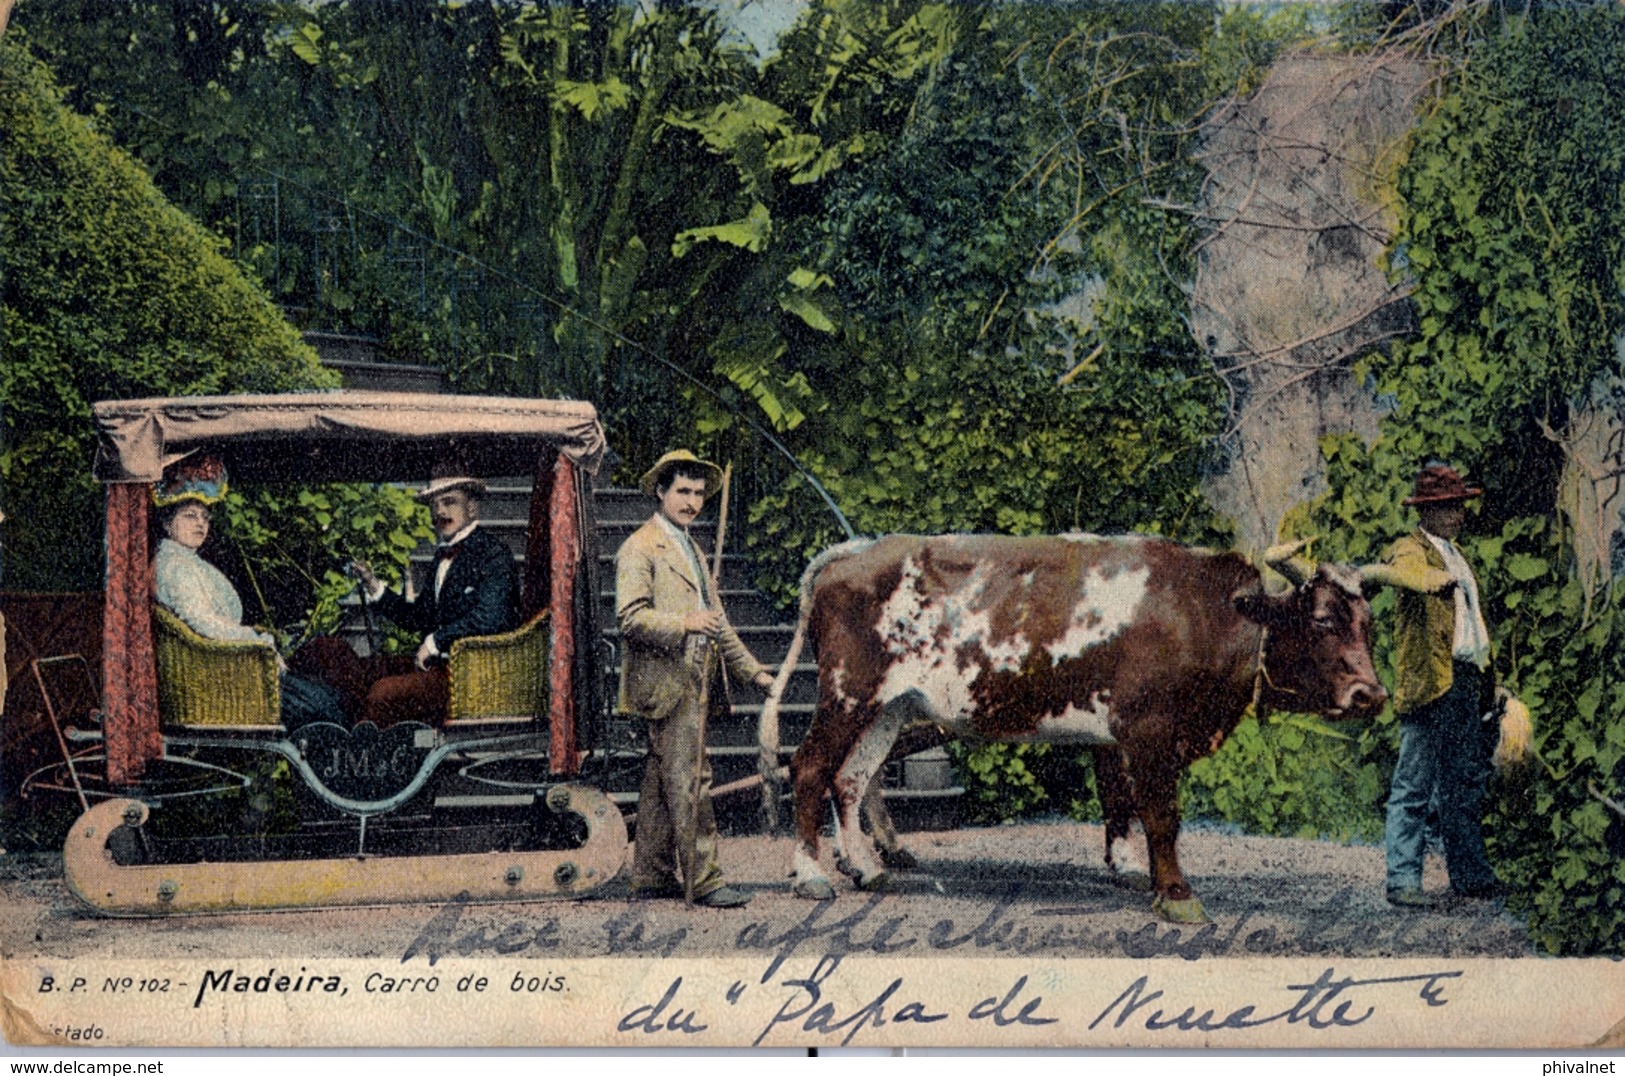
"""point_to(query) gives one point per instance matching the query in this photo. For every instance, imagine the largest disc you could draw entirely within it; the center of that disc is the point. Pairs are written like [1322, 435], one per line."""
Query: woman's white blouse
[197, 592]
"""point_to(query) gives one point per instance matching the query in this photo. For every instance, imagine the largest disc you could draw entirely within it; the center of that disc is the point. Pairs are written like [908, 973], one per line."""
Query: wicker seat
[211, 682]
[500, 677]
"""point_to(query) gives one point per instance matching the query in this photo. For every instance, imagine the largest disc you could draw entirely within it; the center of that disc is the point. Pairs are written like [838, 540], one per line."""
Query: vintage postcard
[798, 524]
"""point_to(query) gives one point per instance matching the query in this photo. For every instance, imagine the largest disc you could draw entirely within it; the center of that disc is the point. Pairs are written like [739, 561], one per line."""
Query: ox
[1147, 650]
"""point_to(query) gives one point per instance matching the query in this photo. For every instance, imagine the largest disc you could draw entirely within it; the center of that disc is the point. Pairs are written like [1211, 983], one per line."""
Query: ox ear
[1259, 607]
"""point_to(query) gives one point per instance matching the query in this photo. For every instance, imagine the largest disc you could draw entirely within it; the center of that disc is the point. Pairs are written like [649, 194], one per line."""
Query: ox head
[1318, 655]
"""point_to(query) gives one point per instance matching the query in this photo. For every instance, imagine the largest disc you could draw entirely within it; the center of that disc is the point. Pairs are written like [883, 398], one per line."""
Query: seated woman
[198, 593]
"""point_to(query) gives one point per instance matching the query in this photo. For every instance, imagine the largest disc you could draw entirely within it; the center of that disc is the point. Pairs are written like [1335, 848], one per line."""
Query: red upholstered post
[565, 512]
[538, 545]
[129, 674]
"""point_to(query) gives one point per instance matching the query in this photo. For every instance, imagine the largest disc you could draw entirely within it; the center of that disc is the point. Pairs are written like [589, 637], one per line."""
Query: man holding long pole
[674, 631]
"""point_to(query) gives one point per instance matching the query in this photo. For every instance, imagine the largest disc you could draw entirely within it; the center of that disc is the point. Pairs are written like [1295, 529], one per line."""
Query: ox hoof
[1189, 910]
[899, 859]
[1139, 881]
[878, 883]
[816, 889]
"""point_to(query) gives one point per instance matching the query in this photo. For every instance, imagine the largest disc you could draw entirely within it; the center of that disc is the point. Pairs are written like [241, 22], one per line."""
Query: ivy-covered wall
[904, 336]
[1513, 232]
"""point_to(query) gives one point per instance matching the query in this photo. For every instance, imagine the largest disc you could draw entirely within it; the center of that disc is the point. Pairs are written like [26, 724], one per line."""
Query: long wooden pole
[710, 651]
[722, 527]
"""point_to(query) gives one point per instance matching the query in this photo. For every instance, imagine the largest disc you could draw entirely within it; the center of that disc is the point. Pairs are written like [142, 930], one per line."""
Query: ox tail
[767, 729]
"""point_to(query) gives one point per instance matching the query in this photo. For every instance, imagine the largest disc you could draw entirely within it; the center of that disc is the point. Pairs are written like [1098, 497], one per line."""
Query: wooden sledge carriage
[390, 830]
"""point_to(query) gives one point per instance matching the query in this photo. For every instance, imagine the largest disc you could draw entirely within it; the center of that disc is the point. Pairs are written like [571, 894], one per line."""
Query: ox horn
[1287, 558]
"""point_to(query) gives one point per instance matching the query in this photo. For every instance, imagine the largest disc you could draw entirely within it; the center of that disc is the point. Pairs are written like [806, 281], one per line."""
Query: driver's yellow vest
[1425, 624]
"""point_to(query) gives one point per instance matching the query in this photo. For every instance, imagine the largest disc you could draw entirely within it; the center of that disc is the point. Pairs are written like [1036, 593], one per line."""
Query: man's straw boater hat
[200, 477]
[655, 475]
[1438, 483]
[445, 477]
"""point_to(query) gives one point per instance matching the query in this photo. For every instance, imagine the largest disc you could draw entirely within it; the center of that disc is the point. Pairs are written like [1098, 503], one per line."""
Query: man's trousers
[1441, 747]
[674, 808]
[385, 689]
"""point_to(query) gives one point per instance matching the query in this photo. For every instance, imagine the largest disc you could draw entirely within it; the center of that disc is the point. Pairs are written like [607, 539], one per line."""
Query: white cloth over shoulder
[1472, 639]
[198, 593]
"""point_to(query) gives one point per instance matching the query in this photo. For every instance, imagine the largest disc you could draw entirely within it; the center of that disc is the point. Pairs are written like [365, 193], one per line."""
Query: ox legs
[1155, 781]
[845, 766]
[916, 736]
[887, 843]
[1117, 804]
[893, 856]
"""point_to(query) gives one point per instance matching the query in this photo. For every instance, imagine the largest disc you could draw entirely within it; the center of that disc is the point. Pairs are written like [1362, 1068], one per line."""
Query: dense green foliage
[1295, 776]
[957, 391]
[108, 292]
[285, 547]
[549, 200]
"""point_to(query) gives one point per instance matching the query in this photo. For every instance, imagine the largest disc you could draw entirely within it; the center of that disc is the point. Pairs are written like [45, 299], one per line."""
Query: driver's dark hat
[1439, 483]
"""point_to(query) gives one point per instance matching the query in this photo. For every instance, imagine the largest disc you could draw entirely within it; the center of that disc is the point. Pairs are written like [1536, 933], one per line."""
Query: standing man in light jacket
[674, 632]
[1444, 685]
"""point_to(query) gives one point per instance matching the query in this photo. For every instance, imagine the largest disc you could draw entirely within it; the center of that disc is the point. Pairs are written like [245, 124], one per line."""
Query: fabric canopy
[343, 436]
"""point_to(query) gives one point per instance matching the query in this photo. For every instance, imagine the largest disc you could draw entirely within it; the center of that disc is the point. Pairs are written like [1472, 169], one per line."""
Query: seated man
[472, 589]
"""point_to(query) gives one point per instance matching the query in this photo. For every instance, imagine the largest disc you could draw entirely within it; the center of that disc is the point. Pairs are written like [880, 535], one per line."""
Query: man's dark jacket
[480, 595]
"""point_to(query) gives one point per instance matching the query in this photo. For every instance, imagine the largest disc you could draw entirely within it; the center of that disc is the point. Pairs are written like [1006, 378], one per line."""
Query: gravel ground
[1037, 888]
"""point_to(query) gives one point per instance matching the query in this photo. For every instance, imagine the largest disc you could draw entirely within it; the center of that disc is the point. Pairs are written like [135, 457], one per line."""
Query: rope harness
[1262, 677]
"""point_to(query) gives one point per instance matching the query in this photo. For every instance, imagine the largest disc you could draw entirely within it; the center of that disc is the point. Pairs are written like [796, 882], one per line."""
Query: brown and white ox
[1147, 650]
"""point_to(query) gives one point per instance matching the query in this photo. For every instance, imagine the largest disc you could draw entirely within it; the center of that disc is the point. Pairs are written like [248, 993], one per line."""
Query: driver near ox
[471, 589]
[676, 632]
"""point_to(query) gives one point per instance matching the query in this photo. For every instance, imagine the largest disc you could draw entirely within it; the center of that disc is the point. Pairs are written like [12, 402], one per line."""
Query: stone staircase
[920, 794]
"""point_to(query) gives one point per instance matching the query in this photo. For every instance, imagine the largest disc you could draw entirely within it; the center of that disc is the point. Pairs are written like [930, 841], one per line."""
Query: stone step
[738, 731]
[912, 809]
[795, 718]
[768, 642]
[744, 606]
[506, 499]
[802, 688]
[620, 505]
[357, 360]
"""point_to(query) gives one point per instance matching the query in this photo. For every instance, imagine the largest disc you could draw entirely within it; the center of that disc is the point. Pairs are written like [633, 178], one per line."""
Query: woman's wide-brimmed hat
[445, 477]
[656, 474]
[199, 477]
[1438, 483]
